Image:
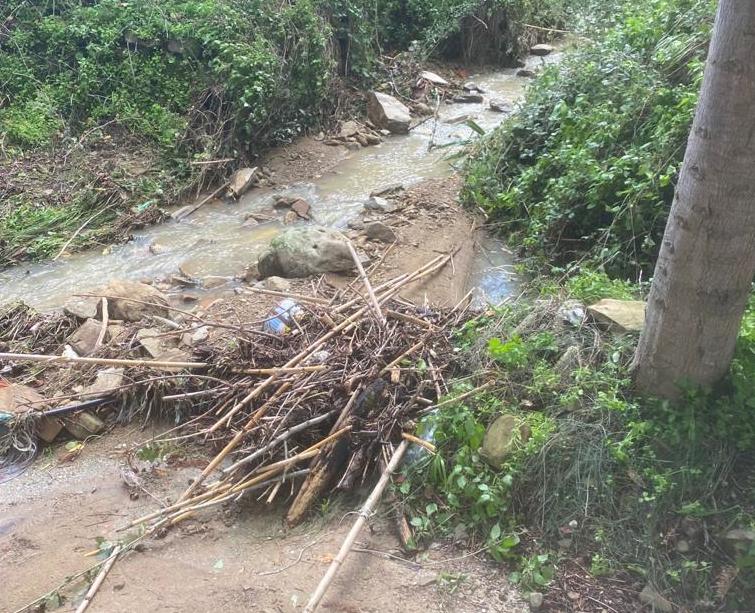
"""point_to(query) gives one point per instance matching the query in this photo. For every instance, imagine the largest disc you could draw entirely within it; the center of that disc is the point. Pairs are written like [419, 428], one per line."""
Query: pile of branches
[324, 404]
[318, 407]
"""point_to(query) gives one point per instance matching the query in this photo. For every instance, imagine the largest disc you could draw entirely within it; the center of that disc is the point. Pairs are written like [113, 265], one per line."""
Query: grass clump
[586, 169]
[653, 492]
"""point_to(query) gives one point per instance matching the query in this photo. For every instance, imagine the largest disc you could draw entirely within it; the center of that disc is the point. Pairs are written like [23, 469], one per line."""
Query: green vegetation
[585, 171]
[84, 86]
[640, 486]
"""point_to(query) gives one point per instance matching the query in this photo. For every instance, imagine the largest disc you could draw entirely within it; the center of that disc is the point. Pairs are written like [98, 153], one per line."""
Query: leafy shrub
[147, 64]
[626, 479]
[587, 167]
[456, 491]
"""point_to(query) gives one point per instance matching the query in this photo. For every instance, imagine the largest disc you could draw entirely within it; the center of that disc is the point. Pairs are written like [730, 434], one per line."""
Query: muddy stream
[214, 241]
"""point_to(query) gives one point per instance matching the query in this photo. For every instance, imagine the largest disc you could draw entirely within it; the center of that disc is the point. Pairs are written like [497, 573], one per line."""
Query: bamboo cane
[364, 513]
[61, 359]
[368, 286]
[99, 580]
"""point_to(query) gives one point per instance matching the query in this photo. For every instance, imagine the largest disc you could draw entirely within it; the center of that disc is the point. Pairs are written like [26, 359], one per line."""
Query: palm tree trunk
[705, 268]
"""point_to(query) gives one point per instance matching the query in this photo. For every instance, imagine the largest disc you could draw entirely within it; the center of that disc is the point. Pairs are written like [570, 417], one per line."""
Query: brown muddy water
[215, 242]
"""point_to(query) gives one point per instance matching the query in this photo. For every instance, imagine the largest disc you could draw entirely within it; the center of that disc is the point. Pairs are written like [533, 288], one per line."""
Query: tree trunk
[705, 268]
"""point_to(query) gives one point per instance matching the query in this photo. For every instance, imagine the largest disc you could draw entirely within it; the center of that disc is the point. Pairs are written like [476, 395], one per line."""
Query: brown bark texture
[703, 276]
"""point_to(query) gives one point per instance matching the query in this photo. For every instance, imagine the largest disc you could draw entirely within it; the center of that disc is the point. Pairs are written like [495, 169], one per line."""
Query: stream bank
[215, 245]
[215, 242]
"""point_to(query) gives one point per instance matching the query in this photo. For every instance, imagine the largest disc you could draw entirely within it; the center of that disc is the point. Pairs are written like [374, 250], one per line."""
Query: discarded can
[282, 317]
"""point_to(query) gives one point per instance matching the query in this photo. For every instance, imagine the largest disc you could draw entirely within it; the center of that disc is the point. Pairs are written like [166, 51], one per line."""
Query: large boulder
[133, 301]
[305, 251]
[388, 113]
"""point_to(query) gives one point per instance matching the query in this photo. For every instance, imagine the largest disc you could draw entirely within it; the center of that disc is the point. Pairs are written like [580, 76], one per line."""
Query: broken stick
[62, 359]
[368, 286]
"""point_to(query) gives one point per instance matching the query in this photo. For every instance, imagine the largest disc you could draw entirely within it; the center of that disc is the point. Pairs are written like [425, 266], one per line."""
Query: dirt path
[51, 516]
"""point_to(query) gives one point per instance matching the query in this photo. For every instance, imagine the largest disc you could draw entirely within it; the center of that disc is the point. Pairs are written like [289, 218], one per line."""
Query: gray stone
[82, 307]
[472, 87]
[120, 294]
[147, 339]
[536, 600]
[305, 251]
[683, 546]
[499, 440]
[83, 425]
[378, 231]
[156, 248]
[213, 281]
[277, 284]
[349, 128]
[200, 335]
[433, 78]
[525, 72]
[572, 312]
[388, 113]
[241, 181]
[376, 203]
[302, 208]
[355, 224]
[469, 98]
[500, 106]
[108, 380]
[652, 598]
[115, 331]
[541, 49]
[393, 188]
[619, 315]
[84, 340]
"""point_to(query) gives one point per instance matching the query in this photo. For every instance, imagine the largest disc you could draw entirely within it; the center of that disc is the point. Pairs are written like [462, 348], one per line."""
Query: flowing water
[214, 241]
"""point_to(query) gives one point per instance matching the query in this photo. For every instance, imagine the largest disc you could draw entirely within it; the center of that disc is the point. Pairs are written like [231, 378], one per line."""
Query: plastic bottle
[282, 317]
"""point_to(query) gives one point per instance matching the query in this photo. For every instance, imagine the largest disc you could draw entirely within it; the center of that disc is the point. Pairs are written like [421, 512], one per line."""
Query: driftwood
[315, 408]
[367, 285]
[183, 213]
[61, 359]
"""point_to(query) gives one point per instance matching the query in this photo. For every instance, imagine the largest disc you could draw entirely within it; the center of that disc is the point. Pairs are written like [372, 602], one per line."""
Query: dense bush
[587, 167]
[176, 71]
[639, 488]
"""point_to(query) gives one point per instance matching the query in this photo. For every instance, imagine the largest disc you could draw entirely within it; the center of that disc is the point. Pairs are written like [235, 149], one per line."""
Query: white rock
[433, 78]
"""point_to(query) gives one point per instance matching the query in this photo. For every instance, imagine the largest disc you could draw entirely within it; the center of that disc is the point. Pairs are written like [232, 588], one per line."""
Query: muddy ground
[51, 516]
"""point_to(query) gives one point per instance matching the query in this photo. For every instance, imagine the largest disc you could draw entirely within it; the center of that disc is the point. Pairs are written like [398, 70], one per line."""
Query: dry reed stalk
[60, 359]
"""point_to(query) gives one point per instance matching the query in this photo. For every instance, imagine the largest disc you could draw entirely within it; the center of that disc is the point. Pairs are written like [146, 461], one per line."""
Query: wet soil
[245, 559]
